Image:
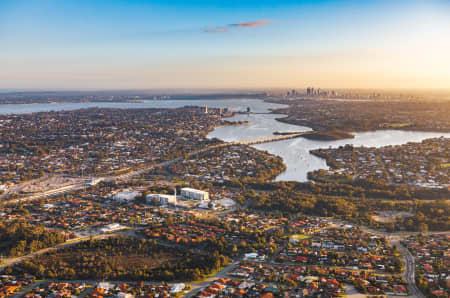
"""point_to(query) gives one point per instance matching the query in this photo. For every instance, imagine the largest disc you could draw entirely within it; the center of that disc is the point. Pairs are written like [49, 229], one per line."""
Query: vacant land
[122, 258]
[391, 216]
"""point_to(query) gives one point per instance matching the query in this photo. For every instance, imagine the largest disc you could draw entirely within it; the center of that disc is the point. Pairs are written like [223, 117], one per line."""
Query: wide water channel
[295, 152]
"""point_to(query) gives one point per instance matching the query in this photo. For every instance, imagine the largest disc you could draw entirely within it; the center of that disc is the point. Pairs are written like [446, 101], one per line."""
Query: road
[50, 193]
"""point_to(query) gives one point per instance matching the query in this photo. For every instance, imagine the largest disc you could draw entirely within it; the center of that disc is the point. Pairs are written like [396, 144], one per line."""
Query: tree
[422, 227]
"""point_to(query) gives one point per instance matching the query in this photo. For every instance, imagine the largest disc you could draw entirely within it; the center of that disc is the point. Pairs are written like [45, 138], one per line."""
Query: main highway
[80, 185]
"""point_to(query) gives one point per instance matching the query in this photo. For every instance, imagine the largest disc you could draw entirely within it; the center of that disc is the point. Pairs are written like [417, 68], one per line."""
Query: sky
[93, 44]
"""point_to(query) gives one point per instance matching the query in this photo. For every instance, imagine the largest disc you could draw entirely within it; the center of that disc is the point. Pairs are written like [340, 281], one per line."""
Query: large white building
[162, 199]
[194, 194]
[111, 228]
[125, 196]
[217, 204]
[177, 288]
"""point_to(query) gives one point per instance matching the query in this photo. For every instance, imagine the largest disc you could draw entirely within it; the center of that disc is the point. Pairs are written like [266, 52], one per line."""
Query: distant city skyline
[224, 44]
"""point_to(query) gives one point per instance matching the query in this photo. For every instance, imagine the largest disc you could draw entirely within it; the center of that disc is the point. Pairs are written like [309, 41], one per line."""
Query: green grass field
[299, 237]
[396, 125]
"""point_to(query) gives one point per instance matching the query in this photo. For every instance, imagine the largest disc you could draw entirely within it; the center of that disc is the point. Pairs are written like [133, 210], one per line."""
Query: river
[295, 152]
[255, 105]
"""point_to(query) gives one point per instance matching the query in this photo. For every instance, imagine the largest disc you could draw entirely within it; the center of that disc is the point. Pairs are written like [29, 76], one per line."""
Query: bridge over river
[270, 139]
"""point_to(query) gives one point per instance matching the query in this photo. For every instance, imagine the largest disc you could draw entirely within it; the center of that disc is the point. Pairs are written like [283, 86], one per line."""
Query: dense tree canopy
[18, 238]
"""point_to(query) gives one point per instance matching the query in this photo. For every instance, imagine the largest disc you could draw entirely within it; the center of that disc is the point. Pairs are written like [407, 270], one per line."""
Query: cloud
[226, 28]
[251, 24]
